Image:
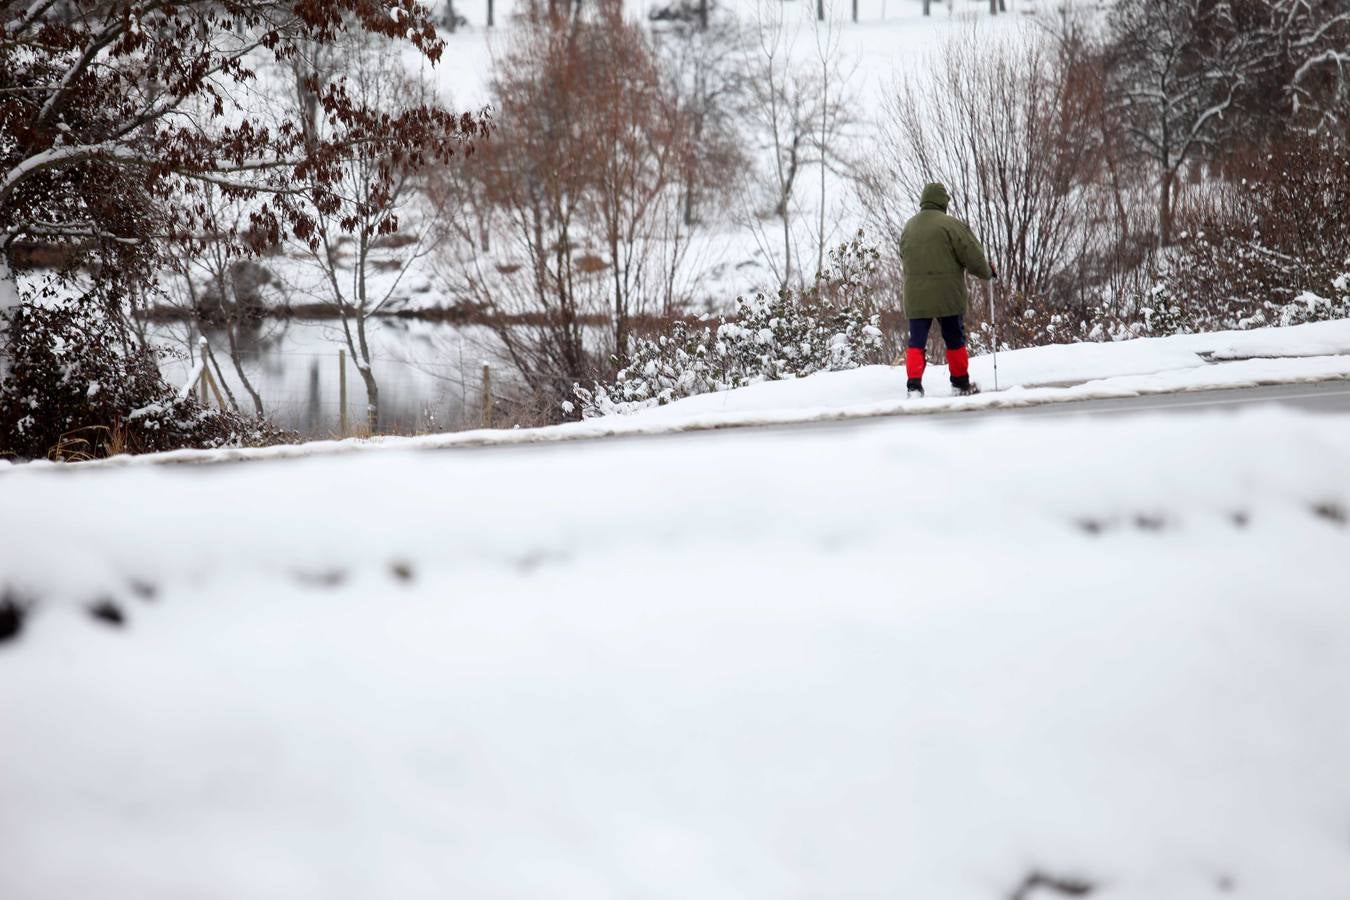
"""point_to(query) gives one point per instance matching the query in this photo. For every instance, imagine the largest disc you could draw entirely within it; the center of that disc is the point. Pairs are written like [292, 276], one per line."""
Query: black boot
[962, 386]
[915, 388]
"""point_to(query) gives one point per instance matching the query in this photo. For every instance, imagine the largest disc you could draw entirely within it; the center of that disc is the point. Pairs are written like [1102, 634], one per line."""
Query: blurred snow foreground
[1003, 659]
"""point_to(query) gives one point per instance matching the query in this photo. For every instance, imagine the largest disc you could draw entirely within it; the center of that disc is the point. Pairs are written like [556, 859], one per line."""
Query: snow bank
[901, 661]
[1055, 374]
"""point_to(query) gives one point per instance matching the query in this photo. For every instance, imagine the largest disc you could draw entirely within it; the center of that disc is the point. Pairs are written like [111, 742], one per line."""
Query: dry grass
[91, 442]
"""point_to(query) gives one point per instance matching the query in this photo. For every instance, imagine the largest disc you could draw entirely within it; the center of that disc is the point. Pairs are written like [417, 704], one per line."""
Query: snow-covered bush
[79, 386]
[1275, 252]
[829, 327]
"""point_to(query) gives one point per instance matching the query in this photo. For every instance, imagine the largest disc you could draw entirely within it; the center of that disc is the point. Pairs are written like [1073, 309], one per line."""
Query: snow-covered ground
[902, 661]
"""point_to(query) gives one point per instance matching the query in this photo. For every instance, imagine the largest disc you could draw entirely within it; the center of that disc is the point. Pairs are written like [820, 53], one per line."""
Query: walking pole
[993, 324]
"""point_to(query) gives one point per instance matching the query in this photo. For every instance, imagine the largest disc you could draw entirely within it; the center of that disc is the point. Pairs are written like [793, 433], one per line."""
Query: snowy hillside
[727, 255]
[905, 661]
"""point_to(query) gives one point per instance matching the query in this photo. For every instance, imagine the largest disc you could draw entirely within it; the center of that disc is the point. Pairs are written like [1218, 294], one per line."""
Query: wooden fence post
[215, 388]
[207, 381]
[342, 393]
[487, 396]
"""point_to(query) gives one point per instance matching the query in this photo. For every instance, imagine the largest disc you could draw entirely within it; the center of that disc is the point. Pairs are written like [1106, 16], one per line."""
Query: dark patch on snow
[1226, 884]
[1093, 527]
[108, 612]
[12, 613]
[534, 559]
[1149, 522]
[1331, 511]
[402, 570]
[1037, 884]
[1240, 519]
[143, 589]
[324, 578]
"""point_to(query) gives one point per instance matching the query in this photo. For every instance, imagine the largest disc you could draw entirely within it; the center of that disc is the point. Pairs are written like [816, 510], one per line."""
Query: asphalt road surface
[1321, 397]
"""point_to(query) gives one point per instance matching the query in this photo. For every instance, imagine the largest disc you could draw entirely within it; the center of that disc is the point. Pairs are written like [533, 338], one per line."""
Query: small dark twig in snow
[1146, 522]
[1331, 511]
[1036, 882]
[534, 559]
[326, 578]
[12, 613]
[143, 589]
[401, 569]
[108, 612]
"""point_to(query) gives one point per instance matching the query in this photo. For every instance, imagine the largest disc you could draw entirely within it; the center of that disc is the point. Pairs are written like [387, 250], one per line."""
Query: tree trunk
[367, 375]
[620, 302]
[226, 282]
[927, 7]
[824, 127]
[372, 400]
[9, 287]
[489, 17]
[1165, 209]
[820, 10]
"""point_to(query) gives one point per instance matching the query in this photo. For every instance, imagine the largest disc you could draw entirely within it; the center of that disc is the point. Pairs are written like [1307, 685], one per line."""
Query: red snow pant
[953, 335]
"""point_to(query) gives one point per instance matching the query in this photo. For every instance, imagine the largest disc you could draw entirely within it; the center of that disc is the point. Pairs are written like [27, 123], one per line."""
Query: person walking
[937, 251]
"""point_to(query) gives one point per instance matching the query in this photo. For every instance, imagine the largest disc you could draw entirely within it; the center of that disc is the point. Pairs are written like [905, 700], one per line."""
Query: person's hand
[993, 273]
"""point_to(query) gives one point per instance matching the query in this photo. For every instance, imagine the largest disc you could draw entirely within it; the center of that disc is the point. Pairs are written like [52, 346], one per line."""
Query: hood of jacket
[934, 197]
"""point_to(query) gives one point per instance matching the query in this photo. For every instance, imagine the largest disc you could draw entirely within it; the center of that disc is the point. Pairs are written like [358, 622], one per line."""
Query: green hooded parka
[937, 251]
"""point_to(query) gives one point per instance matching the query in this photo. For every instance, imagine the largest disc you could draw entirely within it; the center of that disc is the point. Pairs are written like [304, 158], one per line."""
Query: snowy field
[904, 661]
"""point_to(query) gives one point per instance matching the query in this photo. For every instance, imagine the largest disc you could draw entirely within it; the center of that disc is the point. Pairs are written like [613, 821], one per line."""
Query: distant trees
[582, 188]
[358, 259]
[796, 115]
[1179, 69]
[118, 114]
[1187, 75]
[702, 56]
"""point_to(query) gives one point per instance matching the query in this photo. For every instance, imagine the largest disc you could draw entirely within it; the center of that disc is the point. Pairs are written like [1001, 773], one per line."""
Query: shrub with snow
[829, 327]
[78, 385]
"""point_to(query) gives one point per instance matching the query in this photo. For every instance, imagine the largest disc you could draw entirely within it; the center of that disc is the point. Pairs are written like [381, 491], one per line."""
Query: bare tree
[644, 144]
[833, 120]
[788, 104]
[359, 260]
[115, 111]
[1177, 77]
[986, 122]
[704, 63]
[581, 188]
